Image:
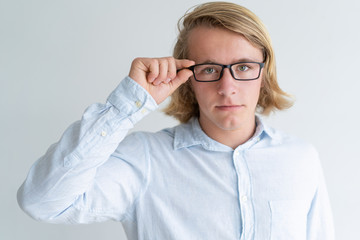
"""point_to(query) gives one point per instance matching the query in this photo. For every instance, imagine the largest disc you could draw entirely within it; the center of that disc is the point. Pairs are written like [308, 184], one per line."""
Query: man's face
[228, 104]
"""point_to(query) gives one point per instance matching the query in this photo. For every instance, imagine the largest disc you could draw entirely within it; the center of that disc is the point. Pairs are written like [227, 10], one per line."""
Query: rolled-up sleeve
[68, 183]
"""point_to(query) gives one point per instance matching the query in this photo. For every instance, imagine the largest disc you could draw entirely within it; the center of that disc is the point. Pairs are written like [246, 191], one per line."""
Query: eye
[242, 68]
[209, 70]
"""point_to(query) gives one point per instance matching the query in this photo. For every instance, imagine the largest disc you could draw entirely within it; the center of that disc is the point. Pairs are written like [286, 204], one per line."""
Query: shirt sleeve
[78, 180]
[320, 220]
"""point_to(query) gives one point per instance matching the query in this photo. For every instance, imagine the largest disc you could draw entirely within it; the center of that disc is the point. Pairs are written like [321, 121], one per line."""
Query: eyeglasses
[241, 71]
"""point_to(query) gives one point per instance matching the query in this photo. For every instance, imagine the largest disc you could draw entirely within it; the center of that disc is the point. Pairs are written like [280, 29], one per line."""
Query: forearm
[68, 168]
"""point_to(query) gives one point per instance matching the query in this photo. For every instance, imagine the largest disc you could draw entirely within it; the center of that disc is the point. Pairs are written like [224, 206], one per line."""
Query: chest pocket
[288, 219]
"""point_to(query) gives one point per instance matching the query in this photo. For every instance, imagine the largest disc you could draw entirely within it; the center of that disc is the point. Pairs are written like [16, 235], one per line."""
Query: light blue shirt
[177, 184]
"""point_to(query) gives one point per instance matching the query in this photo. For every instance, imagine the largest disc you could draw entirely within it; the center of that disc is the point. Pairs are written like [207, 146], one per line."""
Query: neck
[232, 137]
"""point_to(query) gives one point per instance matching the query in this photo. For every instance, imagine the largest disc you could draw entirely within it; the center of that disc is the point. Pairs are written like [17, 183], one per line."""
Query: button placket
[244, 190]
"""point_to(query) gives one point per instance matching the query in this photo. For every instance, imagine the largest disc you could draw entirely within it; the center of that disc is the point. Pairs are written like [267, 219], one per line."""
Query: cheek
[252, 90]
[200, 90]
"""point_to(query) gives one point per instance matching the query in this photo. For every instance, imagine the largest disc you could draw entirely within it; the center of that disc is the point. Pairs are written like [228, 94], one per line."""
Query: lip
[229, 107]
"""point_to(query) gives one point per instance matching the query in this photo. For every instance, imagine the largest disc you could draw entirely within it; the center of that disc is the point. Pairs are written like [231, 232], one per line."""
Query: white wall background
[57, 57]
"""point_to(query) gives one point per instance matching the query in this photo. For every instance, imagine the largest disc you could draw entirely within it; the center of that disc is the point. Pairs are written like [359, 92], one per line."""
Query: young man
[221, 174]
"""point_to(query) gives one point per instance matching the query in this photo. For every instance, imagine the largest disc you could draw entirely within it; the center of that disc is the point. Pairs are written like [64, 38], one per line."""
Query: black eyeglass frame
[222, 70]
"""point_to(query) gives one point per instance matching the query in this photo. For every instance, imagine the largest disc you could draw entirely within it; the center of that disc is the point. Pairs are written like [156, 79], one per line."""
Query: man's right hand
[159, 76]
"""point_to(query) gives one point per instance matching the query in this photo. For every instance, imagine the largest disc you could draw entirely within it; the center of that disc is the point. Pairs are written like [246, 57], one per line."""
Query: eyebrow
[239, 60]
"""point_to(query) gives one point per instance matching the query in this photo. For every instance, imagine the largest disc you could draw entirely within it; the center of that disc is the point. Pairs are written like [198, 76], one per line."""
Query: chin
[226, 122]
[230, 124]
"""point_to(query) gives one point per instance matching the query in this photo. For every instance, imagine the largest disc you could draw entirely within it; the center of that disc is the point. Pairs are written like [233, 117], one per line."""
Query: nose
[227, 84]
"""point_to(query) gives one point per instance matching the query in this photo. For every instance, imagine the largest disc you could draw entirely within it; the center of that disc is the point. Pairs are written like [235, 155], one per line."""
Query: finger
[153, 67]
[183, 63]
[184, 74]
[171, 69]
[181, 78]
[163, 71]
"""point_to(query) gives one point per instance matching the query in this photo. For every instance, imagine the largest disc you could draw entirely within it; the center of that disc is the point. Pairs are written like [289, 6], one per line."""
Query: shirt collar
[191, 134]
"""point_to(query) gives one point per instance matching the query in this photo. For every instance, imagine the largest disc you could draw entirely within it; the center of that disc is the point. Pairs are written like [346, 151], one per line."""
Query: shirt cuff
[132, 100]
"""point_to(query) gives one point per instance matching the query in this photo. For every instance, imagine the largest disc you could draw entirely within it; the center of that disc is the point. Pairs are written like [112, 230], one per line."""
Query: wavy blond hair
[183, 105]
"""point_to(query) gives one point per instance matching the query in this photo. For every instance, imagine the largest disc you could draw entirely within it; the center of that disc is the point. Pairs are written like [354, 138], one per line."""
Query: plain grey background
[57, 57]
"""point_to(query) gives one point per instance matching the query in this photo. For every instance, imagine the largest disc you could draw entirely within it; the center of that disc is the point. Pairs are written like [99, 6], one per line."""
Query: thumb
[183, 74]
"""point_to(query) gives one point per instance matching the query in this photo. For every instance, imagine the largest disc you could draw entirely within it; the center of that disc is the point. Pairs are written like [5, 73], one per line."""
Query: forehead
[208, 44]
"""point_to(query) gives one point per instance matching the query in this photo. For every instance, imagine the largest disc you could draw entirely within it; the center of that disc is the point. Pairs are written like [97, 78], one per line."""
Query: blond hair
[183, 105]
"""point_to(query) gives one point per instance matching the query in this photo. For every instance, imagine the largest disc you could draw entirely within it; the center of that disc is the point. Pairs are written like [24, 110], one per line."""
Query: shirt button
[138, 104]
[236, 153]
[244, 199]
[103, 133]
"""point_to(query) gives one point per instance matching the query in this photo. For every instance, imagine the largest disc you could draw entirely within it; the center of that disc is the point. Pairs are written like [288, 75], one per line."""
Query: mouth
[229, 107]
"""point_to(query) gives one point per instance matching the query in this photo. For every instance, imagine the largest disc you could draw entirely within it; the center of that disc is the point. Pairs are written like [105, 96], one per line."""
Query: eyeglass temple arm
[188, 68]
